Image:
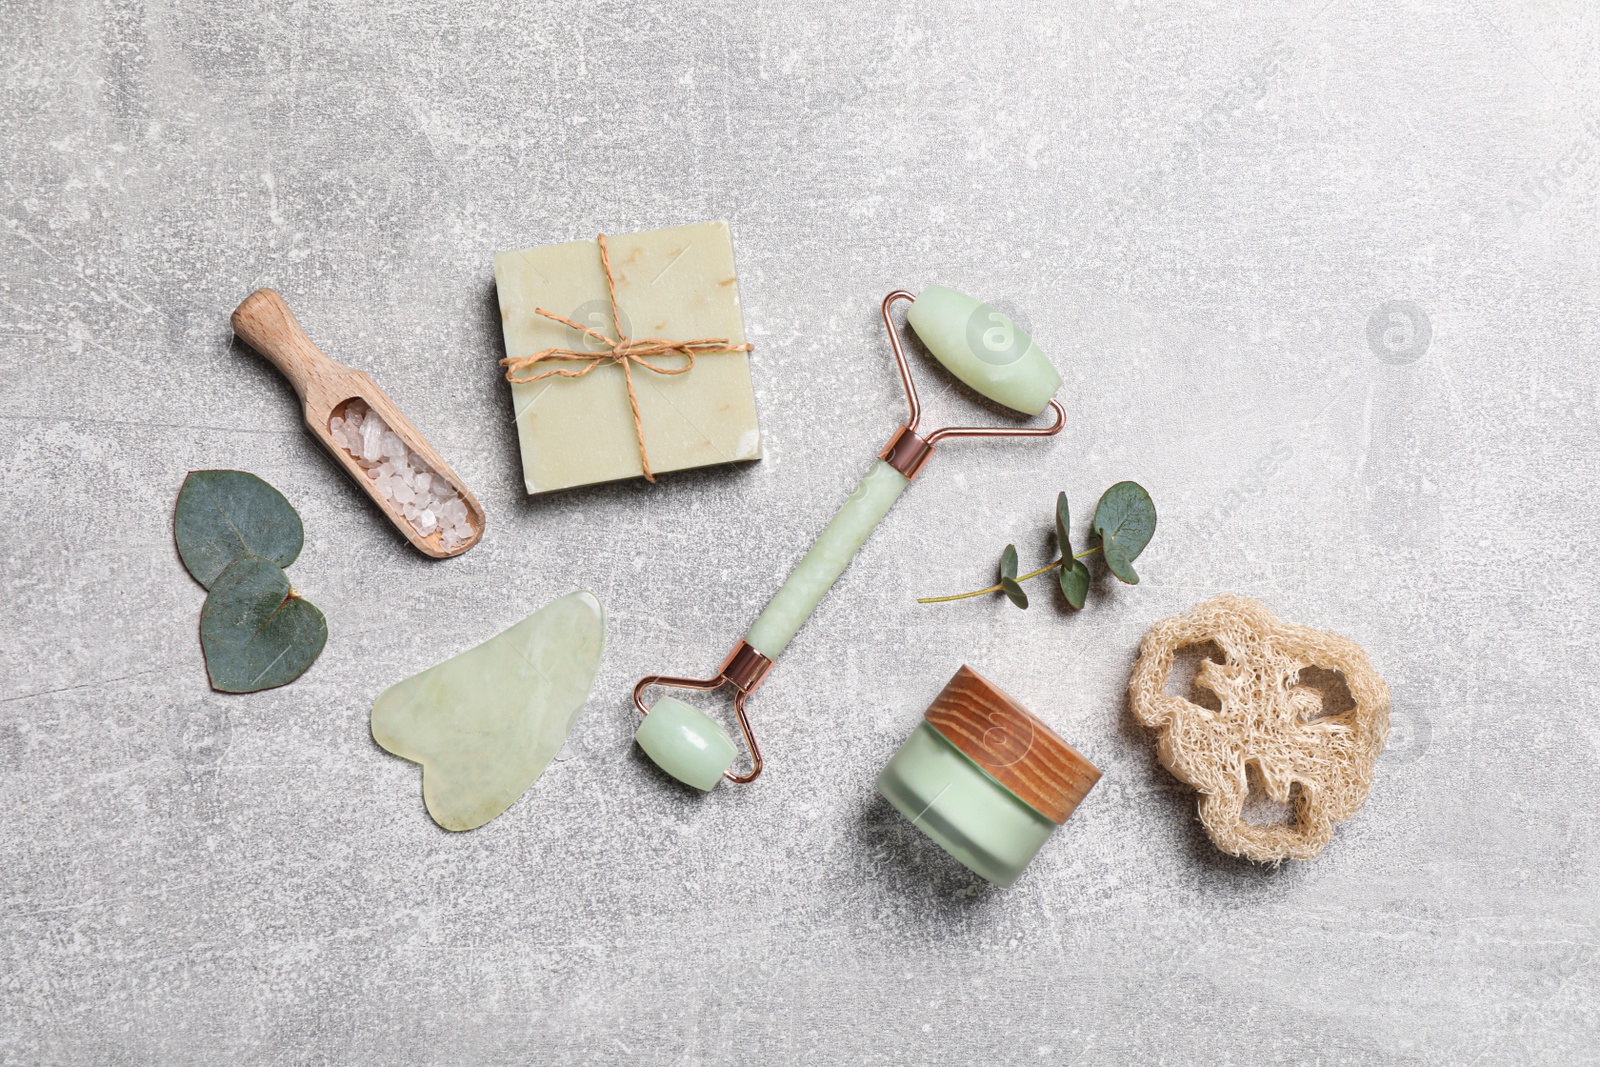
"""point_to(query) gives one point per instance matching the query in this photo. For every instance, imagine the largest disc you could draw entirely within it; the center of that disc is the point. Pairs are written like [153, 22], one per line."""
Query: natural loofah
[1319, 761]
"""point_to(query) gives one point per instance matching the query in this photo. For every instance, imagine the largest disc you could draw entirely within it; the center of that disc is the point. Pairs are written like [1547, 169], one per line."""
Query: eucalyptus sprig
[236, 534]
[1124, 521]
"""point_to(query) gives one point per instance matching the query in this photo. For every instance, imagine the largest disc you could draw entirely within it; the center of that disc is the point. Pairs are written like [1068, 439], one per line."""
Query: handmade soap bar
[676, 284]
[486, 723]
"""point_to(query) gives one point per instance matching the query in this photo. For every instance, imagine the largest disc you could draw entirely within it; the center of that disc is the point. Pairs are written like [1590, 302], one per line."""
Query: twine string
[622, 350]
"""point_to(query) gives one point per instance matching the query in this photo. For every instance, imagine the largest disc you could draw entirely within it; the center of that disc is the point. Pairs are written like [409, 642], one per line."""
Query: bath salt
[425, 500]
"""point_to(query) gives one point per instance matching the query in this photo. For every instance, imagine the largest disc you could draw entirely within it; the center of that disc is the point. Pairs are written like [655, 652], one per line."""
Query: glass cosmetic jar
[985, 778]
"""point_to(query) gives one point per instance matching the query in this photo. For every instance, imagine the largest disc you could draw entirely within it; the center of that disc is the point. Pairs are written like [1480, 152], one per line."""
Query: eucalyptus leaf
[1119, 564]
[1075, 581]
[1063, 530]
[1125, 519]
[1008, 563]
[1014, 592]
[255, 631]
[223, 516]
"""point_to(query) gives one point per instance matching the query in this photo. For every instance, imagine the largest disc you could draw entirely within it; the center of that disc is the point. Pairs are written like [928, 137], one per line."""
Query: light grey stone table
[1320, 274]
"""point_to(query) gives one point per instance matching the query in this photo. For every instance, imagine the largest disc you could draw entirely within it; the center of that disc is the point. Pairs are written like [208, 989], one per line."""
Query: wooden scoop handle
[263, 320]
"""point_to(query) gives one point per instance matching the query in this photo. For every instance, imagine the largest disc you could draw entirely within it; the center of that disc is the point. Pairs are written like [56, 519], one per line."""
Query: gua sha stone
[485, 724]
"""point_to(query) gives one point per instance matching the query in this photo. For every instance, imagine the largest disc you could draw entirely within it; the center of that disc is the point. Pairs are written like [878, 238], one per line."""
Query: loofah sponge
[1268, 718]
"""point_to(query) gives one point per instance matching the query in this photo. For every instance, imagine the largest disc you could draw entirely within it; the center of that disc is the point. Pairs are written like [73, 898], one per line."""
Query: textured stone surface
[1196, 208]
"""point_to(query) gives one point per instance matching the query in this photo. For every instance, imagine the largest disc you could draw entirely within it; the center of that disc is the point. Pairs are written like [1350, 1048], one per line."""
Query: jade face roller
[977, 344]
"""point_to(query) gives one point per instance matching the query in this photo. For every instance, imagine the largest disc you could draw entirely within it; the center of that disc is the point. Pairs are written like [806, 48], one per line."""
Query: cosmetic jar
[986, 778]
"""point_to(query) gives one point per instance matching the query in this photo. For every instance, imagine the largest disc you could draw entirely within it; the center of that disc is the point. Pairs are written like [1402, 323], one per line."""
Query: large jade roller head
[985, 349]
[980, 346]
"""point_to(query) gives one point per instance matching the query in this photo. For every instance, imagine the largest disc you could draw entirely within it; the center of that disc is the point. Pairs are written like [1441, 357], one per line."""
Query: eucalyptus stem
[996, 588]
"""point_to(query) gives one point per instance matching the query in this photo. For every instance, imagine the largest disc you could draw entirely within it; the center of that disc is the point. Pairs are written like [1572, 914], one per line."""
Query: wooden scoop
[326, 388]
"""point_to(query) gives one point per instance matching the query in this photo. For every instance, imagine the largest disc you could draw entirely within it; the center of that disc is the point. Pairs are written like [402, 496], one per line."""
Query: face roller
[981, 347]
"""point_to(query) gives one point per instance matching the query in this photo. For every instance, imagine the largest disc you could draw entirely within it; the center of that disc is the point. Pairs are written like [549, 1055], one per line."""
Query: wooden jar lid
[1012, 744]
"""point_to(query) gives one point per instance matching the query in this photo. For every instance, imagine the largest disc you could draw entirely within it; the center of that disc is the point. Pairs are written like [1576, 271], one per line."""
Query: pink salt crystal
[423, 481]
[371, 435]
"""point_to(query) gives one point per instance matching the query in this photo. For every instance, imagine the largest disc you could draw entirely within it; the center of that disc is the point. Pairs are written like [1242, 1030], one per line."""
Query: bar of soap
[485, 724]
[678, 284]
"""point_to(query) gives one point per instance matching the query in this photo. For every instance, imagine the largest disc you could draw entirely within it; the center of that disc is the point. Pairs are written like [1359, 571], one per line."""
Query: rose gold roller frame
[907, 452]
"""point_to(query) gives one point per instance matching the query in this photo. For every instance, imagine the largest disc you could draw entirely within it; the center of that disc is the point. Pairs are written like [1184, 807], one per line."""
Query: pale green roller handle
[786, 612]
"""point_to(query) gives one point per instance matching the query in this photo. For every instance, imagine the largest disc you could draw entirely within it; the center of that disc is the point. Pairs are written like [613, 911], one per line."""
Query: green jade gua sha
[977, 344]
[486, 723]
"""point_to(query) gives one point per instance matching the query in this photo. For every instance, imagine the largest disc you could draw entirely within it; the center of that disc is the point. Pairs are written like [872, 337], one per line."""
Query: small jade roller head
[984, 348]
[686, 743]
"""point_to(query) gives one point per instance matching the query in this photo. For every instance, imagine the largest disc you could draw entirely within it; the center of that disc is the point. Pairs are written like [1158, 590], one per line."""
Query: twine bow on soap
[622, 350]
